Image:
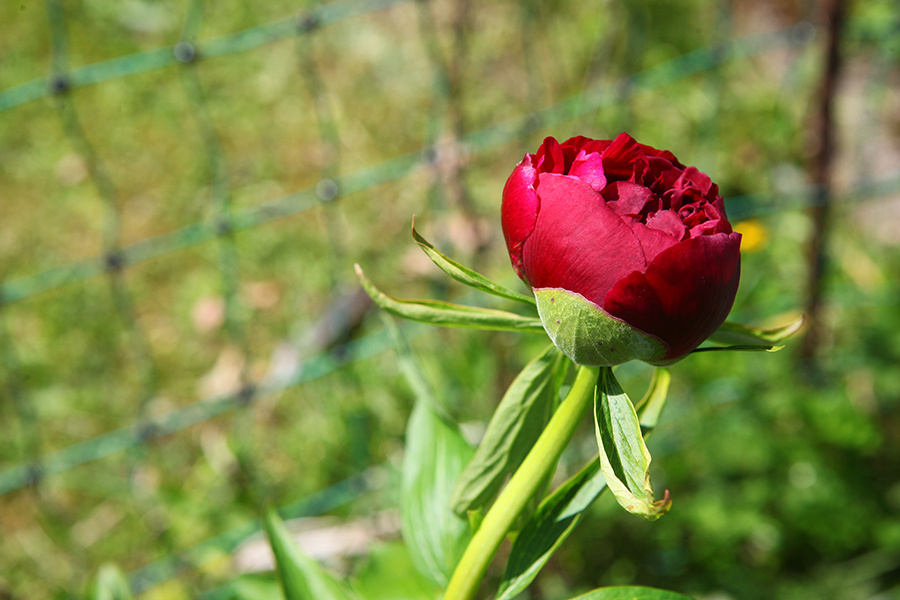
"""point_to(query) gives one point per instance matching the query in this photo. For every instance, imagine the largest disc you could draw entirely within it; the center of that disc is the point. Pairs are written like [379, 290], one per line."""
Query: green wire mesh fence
[447, 136]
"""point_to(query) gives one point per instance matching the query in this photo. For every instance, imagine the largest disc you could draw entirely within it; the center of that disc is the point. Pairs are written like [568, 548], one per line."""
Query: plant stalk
[522, 486]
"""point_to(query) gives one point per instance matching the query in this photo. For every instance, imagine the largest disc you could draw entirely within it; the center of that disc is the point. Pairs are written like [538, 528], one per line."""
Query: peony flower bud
[629, 252]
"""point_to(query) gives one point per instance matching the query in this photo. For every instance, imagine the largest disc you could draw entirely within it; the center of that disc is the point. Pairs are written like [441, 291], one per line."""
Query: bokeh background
[185, 186]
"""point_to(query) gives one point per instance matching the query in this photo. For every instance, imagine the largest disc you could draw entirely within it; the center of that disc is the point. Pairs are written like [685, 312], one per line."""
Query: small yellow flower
[755, 235]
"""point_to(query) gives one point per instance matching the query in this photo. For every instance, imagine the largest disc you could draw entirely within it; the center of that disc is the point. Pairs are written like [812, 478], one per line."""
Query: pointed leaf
[739, 334]
[558, 514]
[517, 423]
[250, 586]
[389, 574]
[410, 368]
[445, 314]
[554, 519]
[631, 593]
[466, 275]
[435, 456]
[738, 348]
[301, 577]
[110, 583]
[650, 406]
[624, 458]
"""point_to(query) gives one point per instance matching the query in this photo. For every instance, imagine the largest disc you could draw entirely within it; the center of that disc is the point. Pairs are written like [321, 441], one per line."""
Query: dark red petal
[572, 148]
[653, 241]
[597, 146]
[651, 151]
[578, 243]
[627, 199]
[577, 142]
[694, 178]
[554, 160]
[519, 210]
[662, 174]
[589, 169]
[708, 228]
[667, 221]
[685, 293]
[619, 156]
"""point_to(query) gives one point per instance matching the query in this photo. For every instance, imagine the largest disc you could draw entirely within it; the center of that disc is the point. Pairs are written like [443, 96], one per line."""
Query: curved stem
[523, 485]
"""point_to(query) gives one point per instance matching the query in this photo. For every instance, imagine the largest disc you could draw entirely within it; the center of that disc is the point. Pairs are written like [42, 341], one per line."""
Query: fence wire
[447, 133]
[582, 105]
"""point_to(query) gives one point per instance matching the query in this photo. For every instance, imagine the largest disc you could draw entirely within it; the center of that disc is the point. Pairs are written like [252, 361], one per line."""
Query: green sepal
[589, 335]
[464, 274]
[301, 577]
[110, 583]
[738, 334]
[630, 592]
[624, 458]
[559, 513]
[517, 423]
[445, 314]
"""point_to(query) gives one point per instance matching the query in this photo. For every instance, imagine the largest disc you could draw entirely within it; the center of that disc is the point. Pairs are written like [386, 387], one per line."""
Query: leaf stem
[522, 486]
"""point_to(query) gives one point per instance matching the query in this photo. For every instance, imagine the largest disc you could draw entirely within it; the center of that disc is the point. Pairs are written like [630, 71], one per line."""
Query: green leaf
[389, 574]
[731, 333]
[251, 586]
[554, 519]
[624, 458]
[558, 514]
[738, 348]
[110, 583]
[301, 577]
[435, 455]
[410, 368]
[631, 593]
[445, 314]
[517, 423]
[464, 274]
[650, 406]
[476, 517]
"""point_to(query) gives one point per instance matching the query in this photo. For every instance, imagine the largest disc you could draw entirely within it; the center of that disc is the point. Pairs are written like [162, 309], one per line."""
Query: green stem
[523, 485]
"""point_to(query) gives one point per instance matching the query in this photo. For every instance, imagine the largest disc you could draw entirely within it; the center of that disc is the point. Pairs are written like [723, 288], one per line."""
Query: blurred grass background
[185, 186]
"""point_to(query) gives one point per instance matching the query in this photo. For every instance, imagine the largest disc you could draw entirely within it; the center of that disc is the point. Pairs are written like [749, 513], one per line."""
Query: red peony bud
[628, 236]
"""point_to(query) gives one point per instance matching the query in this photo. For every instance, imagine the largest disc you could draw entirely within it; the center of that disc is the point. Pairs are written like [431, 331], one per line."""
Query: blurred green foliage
[784, 479]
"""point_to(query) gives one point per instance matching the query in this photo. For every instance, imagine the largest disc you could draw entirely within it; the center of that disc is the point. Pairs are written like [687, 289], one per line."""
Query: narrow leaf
[410, 367]
[558, 514]
[464, 274]
[301, 577]
[435, 456]
[110, 583]
[738, 348]
[250, 586]
[631, 593]
[389, 574]
[554, 519]
[732, 333]
[445, 314]
[650, 407]
[624, 458]
[517, 423]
